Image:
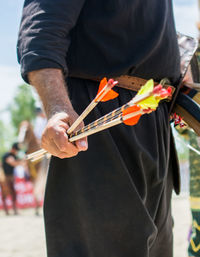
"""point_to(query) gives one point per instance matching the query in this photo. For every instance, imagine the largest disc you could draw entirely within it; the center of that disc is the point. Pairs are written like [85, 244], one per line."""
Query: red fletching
[169, 89]
[110, 81]
[111, 94]
[182, 125]
[162, 92]
[134, 120]
[157, 89]
[149, 110]
[177, 120]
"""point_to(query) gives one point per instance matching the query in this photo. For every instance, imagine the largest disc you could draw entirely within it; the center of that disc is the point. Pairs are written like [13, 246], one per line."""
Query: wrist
[50, 86]
[55, 109]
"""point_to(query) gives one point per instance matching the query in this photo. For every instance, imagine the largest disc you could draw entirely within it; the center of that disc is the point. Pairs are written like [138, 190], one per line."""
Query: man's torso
[120, 37]
[8, 169]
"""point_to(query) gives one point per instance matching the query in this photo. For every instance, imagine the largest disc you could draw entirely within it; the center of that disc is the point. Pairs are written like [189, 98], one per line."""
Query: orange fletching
[134, 120]
[102, 84]
[111, 93]
[109, 96]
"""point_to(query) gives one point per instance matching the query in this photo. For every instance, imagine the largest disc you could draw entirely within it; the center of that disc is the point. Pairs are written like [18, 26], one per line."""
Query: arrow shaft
[112, 115]
[89, 108]
[108, 117]
[106, 125]
[96, 129]
[36, 153]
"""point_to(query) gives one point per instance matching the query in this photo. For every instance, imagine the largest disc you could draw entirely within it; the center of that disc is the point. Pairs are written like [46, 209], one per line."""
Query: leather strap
[132, 83]
[135, 83]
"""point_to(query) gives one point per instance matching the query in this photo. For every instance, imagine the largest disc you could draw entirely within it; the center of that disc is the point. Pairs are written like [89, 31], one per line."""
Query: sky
[10, 78]
[186, 15]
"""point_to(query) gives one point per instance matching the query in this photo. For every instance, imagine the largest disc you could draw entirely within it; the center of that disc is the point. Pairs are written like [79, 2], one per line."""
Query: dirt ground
[23, 235]
[182, 218]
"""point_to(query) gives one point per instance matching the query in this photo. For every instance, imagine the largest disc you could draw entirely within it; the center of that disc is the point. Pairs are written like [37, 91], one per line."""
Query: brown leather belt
[134, 83]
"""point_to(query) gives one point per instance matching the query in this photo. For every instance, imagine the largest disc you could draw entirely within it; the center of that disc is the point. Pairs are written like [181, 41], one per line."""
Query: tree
[23, 106]
[6, 138]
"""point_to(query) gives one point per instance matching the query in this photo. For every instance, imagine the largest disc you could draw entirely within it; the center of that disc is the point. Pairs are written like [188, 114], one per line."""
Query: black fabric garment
[92, 38]
[114, 199]
[8, 169]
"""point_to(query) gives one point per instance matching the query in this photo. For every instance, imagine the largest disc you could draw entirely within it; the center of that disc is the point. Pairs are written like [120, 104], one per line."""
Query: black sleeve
[44, 34]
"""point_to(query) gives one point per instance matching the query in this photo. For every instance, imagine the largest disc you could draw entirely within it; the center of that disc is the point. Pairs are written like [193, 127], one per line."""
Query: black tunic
[92, 38]
[114, 199]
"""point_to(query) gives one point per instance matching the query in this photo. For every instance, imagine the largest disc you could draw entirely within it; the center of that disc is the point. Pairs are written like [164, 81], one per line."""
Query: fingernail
[83, 145]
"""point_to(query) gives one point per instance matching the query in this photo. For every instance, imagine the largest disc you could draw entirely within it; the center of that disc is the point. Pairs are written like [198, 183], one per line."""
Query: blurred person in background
[39, 123]
[9, 162]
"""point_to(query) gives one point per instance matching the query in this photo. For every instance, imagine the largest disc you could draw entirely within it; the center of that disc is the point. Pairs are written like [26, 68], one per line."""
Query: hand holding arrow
[146, 101]
[105, 93]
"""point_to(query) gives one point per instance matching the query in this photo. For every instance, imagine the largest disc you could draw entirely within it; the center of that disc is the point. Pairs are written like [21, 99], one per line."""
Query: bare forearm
[51, 88]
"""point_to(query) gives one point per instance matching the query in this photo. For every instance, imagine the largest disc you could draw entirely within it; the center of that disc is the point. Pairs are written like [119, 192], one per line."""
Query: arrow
[104, 93]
